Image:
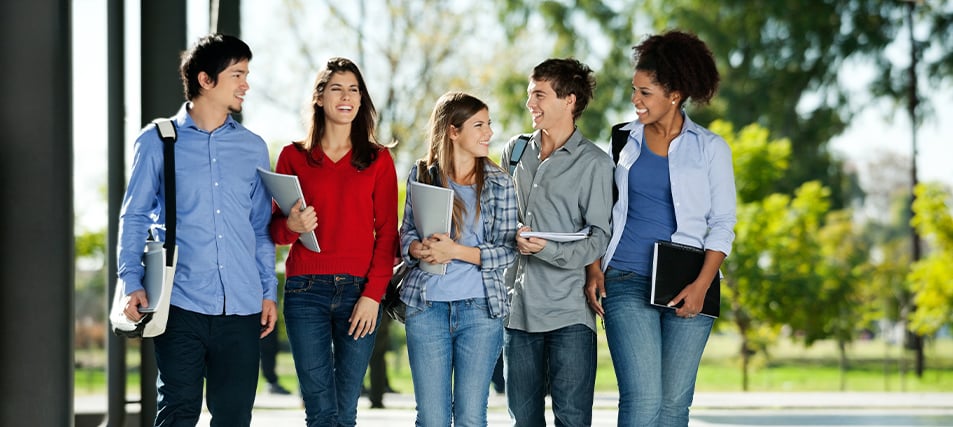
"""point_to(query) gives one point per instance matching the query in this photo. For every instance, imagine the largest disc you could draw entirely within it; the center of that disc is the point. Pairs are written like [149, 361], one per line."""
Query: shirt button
[214, 160]
[216, 184]
[219, 236]
[535, 185]
[221, 267]
[218, 211]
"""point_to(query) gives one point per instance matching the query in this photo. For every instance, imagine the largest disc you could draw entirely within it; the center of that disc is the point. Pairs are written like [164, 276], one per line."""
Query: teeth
[345, 108]
[641, 110]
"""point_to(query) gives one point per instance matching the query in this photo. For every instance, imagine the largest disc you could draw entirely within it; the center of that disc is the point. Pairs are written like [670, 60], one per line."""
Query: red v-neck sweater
[357, 218]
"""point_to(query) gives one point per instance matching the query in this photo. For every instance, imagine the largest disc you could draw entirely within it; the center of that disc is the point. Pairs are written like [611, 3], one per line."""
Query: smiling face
[473, 137]
[652, 103]
[229, 91]
[341, 98]
[547, 109]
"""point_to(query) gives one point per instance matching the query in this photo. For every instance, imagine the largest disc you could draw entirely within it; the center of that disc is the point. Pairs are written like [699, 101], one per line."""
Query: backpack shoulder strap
[517, 152]
[619, 138]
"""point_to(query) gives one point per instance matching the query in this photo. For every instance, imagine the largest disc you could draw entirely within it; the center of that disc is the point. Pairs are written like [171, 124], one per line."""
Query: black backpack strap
[517, 152]
[428, 174]
[619, 138]
[167, 131]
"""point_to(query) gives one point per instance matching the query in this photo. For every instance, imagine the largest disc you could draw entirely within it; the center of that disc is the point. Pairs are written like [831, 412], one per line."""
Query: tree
[929, 278]
[410, 52]
[589, 30]
[779, 69]
[749, 275]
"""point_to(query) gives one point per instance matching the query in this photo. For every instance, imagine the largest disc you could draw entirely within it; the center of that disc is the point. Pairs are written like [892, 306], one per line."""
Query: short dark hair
[679, 61]
[568, 76]
[211, 54]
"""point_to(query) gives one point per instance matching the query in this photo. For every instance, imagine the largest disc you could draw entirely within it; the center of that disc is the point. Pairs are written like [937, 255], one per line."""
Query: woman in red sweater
[332, 297]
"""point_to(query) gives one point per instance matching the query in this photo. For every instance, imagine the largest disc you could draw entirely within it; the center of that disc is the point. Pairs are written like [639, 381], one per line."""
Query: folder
[286, 190]
[674, 266]
[433, 211]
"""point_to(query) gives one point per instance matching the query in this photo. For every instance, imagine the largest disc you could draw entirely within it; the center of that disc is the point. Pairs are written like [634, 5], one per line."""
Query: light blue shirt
[463, 280]
[703, 188]
[497, 250]
[226, 259]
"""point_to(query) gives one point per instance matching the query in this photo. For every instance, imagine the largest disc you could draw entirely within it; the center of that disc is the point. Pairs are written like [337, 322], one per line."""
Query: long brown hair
[364, 146]
[453, 109]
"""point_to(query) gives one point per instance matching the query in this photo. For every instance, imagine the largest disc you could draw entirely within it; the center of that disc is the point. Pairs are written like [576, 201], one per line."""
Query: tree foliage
[781, 62]
[794, 263]
[929, 277]
[410, 52]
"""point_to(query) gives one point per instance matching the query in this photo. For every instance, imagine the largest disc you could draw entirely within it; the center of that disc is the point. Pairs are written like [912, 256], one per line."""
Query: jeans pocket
[614, 275]
[412, 312]
[297, 284]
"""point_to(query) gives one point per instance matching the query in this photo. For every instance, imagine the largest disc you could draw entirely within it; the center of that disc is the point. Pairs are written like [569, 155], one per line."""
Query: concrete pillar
[36, 218]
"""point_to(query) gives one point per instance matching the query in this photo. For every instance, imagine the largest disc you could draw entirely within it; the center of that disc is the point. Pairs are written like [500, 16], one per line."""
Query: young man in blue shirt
[225, 290]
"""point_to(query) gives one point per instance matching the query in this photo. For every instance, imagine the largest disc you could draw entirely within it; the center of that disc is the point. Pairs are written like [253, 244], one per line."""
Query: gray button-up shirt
[568, 191]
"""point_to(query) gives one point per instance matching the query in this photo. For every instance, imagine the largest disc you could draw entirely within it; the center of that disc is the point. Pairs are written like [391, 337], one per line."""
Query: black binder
[674, 266]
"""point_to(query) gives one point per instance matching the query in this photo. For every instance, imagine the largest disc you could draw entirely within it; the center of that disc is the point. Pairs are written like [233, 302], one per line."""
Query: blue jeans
[561, 362]
[452, 347]
[222, 351]
[654, 352]
[329, 362]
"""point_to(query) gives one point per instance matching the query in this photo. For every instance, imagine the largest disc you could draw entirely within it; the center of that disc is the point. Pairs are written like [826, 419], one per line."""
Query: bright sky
[869, 135]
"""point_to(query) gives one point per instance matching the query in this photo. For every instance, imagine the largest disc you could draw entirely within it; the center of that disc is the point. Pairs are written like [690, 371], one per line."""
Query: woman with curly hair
[675, 183]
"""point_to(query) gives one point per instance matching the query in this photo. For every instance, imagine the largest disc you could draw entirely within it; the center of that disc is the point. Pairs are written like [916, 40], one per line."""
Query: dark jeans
[269, 356]
[330, 363]
[564, 362]
[219, 351]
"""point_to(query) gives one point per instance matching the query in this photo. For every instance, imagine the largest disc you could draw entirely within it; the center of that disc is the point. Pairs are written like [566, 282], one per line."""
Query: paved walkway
[709, 410]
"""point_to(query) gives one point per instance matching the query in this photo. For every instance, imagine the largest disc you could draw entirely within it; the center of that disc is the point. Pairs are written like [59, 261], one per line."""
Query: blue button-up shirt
[703, 188]
[226, 262]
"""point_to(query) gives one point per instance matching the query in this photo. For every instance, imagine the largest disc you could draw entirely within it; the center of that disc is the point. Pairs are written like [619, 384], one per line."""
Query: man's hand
[363, 318]
[136, 299]
[528, 246]
[269, 316]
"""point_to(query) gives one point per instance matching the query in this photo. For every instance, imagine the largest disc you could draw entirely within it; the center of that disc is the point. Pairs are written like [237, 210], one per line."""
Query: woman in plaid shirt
[455, 321]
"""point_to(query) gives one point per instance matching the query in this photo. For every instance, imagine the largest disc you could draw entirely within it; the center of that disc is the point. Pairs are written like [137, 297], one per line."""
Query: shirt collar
[575, 140]
[184, 121]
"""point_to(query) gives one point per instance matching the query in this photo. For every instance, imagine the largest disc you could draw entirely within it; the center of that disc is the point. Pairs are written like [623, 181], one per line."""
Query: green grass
[874, 366]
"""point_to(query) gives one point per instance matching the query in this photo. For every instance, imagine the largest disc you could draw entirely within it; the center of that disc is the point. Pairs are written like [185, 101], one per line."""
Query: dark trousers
[378, 364]
[219, 352]
[269, 354]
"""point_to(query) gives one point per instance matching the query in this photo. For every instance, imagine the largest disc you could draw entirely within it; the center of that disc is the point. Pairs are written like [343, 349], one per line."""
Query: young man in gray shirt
[563, 184]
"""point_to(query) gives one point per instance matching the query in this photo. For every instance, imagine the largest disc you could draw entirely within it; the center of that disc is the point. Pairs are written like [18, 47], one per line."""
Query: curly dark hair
[568, 76]
[681, 62]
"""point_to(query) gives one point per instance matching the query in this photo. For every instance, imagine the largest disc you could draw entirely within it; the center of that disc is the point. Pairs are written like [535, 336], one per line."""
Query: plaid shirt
[499, 215]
